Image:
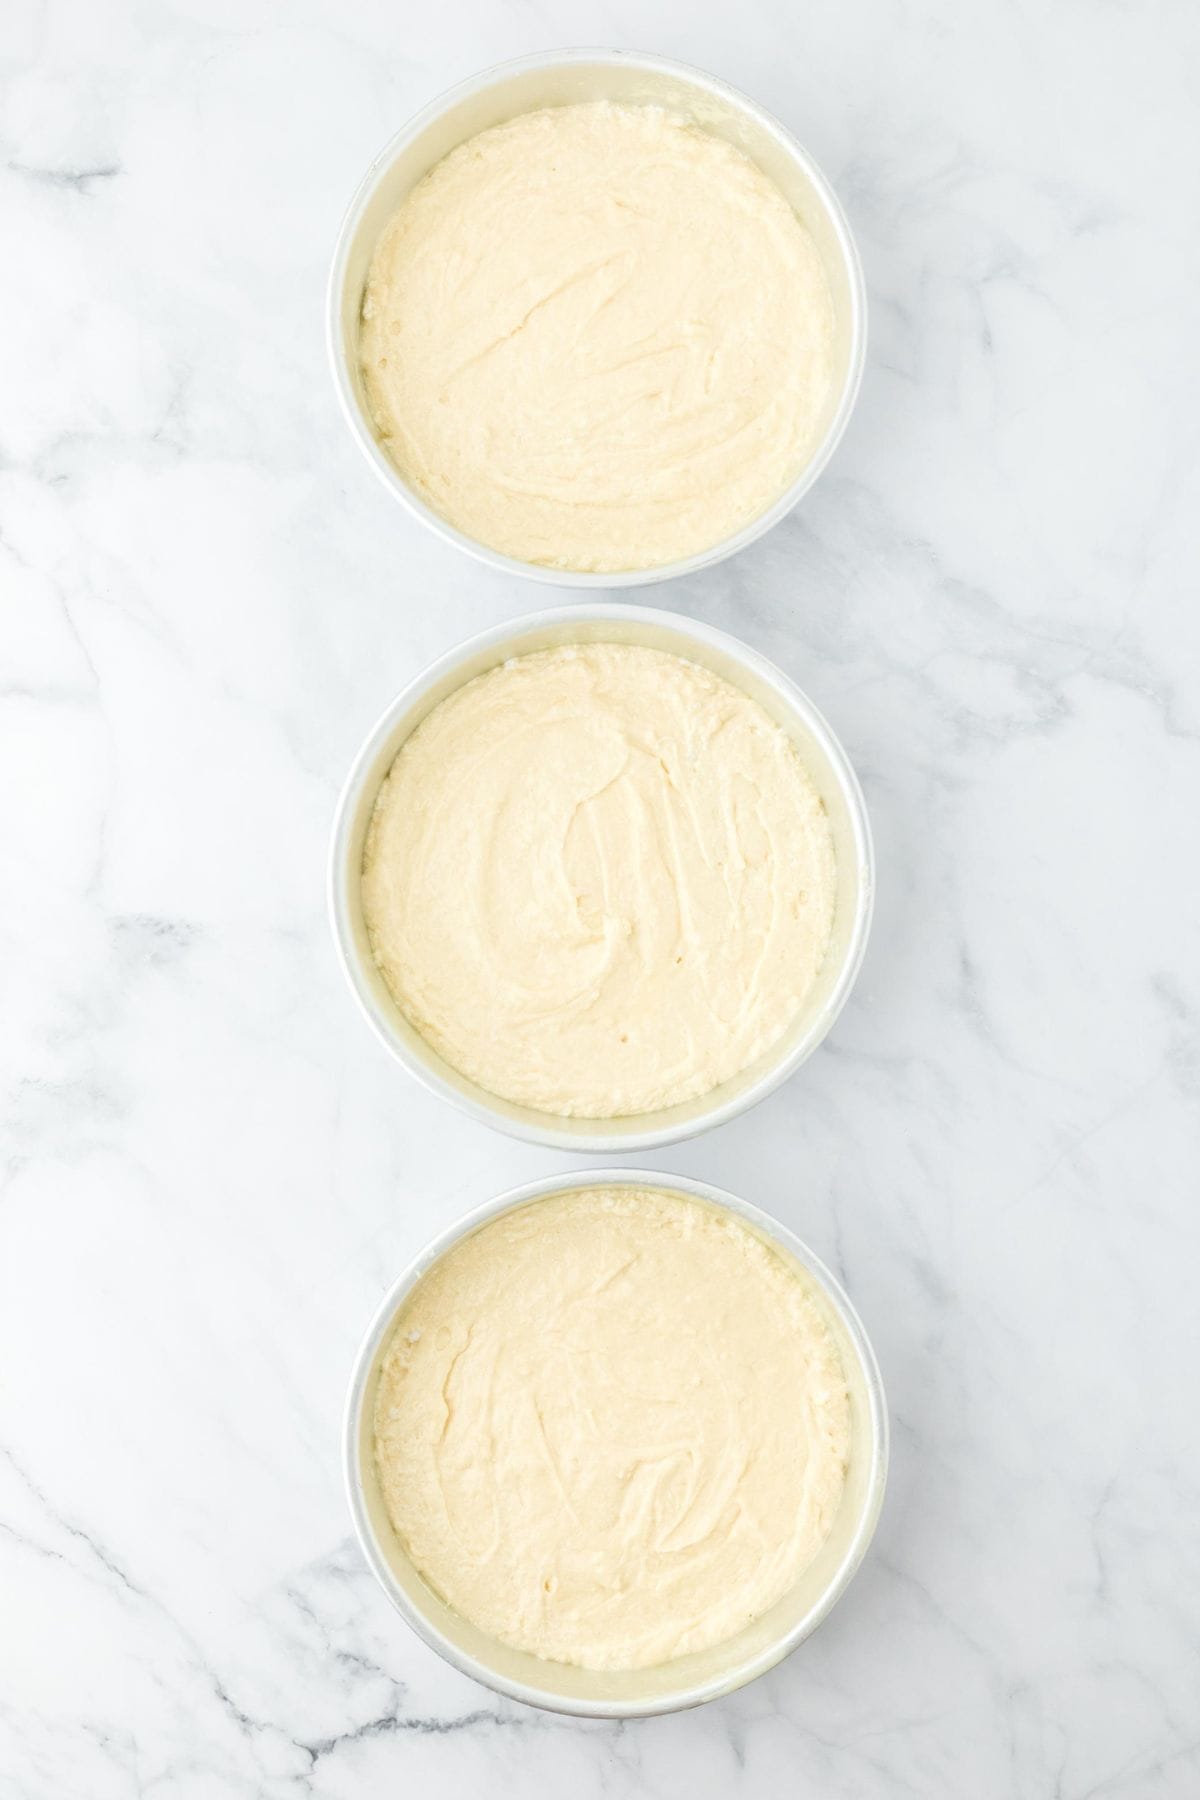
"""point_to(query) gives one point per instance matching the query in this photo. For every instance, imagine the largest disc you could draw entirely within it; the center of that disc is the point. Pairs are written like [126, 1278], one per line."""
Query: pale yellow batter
[597, 337]
[612, 1427]
[599, 881]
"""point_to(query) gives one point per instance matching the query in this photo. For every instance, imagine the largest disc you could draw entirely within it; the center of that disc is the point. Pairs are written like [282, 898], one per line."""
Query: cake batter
[612, 1427]
[597, 337]
[599, 881]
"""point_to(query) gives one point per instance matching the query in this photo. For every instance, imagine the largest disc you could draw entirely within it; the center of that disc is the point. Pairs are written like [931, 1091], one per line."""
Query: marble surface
[211, 1170]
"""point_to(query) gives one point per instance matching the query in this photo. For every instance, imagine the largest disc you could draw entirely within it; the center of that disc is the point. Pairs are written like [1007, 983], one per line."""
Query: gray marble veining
[211, 1171]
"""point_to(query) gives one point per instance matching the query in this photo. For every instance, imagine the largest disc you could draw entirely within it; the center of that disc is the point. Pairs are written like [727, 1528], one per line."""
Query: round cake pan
[821, 755]
[690, 1680]
[558, 79]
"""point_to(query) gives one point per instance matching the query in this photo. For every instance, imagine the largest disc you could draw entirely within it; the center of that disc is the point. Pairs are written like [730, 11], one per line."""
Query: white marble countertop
[212, 1171]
